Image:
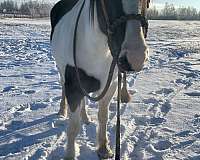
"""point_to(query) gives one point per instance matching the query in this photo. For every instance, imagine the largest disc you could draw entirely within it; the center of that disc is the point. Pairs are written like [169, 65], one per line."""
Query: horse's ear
[148, 2]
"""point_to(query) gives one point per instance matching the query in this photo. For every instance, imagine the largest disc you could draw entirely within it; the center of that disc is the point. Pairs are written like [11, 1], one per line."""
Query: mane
[113, 7]
[92, 6]
[115, 10]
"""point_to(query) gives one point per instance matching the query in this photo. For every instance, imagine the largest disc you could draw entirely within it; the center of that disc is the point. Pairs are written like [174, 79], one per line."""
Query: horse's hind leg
[63, 104]
[104, 150]
[84, 114]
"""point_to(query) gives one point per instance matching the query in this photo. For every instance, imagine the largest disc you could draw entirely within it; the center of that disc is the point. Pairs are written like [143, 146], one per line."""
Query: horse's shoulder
[60, 9]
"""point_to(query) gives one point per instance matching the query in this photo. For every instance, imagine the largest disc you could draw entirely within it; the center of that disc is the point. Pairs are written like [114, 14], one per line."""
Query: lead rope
[117, 148]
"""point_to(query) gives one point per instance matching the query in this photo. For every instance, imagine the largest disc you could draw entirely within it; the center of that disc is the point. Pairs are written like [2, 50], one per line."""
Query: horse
[104, 31]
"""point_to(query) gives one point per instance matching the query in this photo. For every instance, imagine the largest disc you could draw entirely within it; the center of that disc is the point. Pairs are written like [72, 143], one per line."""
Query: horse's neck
[91, 33]
[94, 55]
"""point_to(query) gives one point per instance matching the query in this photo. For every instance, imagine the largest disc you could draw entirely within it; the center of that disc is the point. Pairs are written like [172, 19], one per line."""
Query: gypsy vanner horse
[104, 30]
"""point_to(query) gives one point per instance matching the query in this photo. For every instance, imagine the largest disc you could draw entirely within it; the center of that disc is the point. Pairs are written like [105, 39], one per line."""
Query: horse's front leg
[72, 131]
[104, 150]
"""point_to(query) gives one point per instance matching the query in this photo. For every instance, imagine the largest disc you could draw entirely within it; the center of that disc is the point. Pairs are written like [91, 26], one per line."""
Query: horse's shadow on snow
[23, 137]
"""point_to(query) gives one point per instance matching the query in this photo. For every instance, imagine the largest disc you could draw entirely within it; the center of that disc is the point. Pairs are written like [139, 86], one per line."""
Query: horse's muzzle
[124, 65]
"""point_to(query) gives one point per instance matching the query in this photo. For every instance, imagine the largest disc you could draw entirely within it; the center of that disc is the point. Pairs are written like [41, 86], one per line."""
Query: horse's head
[128, 32]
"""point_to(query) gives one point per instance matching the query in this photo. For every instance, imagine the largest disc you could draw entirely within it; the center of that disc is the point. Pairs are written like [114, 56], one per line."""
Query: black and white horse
[93, 57]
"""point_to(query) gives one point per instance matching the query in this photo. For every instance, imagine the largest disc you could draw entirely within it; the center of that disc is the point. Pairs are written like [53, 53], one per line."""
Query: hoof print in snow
[166, 107]
[183, 144]
[193, 94]
[165, 91]
[161, 146]
[29, 76]
[183, 133]
[29, 92]
[154, 121]
[9, 88]
[36, 106]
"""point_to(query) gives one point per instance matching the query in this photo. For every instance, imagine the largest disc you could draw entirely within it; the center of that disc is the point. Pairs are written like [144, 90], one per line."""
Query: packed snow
[161, 122]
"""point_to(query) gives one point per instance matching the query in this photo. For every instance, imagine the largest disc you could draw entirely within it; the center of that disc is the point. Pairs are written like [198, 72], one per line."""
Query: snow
[161, 122]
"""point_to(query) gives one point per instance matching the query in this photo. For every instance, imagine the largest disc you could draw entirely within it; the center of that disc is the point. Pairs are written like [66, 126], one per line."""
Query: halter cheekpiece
[123, 19]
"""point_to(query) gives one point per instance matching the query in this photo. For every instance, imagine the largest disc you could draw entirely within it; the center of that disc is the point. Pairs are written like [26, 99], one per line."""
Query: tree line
[170, 12]
[28, 9]
[34, 8]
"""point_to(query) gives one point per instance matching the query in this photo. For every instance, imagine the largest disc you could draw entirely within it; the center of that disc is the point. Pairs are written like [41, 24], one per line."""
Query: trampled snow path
[161, 122]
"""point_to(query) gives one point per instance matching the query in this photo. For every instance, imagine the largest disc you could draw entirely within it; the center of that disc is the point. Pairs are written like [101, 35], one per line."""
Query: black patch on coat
[59, 10]
[73, 92]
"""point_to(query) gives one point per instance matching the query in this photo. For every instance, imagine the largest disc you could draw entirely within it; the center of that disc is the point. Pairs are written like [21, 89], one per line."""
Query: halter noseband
[123, 19]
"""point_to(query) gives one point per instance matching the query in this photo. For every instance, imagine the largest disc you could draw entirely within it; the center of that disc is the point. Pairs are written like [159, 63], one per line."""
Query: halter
[123, 19]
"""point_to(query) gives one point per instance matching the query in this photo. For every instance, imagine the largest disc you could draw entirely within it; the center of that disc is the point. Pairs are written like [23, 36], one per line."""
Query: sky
[158, 3]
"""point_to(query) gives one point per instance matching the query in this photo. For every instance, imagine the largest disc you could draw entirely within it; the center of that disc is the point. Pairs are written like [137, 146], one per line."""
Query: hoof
[105, 153]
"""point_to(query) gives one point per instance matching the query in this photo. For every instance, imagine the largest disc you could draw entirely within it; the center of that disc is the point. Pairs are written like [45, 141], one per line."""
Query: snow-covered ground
[161, 122]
